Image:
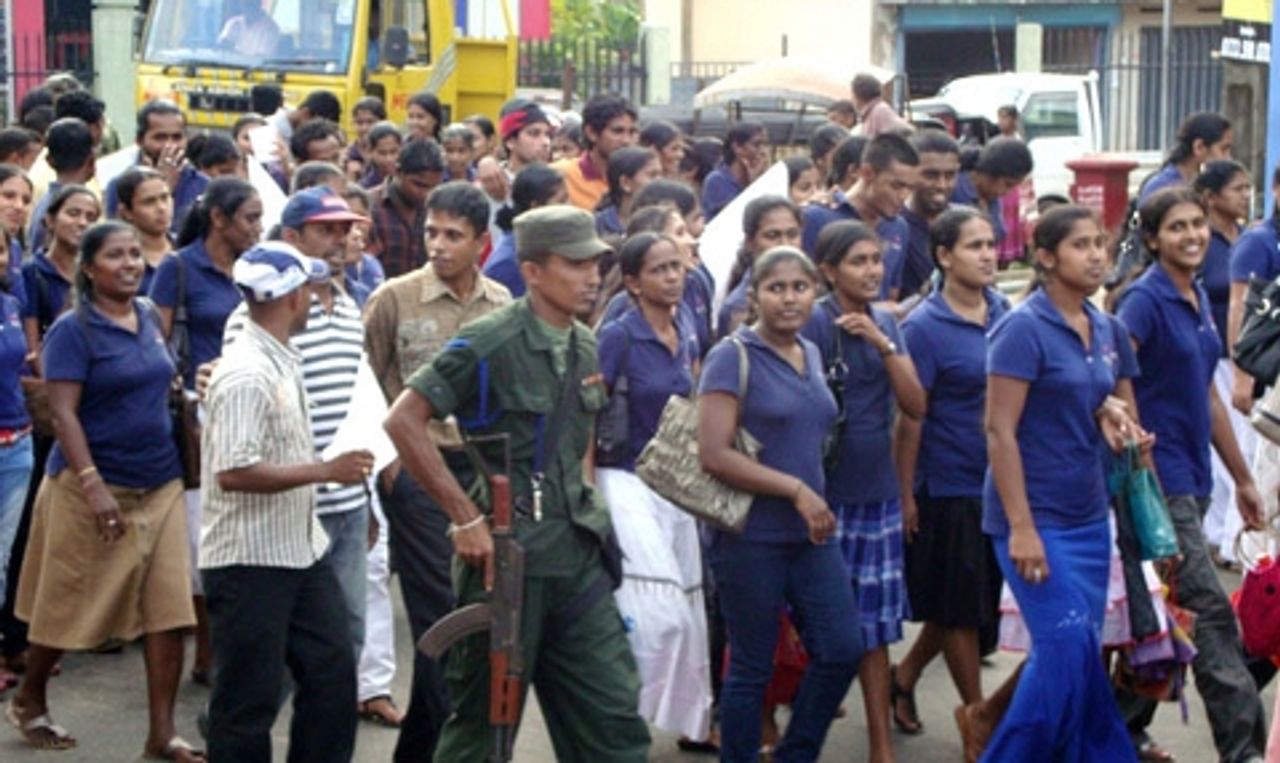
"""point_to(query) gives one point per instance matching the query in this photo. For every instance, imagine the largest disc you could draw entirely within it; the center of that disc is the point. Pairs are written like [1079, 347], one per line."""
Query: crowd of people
[507, 286]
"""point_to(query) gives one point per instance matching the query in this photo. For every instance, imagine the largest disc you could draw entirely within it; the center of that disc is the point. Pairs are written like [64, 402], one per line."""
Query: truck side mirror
[395, 47]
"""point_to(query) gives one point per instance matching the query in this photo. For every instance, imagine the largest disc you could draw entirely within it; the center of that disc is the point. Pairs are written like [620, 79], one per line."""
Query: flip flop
[1150, 751]
[911, 724]
[173, 748]
[40, 732]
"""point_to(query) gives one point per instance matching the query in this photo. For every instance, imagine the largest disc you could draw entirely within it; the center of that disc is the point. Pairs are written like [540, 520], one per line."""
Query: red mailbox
[1102, 184]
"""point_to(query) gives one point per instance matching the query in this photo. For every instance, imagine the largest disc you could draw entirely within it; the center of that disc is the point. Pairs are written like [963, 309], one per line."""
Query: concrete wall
[837, 31]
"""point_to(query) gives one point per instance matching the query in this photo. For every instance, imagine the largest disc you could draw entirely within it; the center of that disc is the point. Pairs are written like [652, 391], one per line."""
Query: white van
[1060, 114]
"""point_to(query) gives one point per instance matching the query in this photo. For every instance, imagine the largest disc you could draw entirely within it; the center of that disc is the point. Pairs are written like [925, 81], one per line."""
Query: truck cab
[1060, 117]
[206, 55]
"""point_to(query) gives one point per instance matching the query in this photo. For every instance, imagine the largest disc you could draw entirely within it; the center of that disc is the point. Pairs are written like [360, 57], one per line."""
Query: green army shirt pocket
[591, 399]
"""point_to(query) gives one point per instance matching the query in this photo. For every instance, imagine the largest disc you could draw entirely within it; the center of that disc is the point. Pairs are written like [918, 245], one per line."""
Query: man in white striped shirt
[272, 593]
[316, 222]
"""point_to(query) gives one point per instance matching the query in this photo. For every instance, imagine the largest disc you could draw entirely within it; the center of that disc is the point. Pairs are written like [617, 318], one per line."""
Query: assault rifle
[500, 615]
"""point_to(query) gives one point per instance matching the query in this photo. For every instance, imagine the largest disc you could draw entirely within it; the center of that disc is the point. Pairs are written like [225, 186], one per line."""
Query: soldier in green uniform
[528, 371]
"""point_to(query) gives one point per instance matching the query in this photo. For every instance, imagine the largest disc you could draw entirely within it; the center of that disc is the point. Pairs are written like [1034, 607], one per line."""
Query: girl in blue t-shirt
[225, 223]
[1057, 369]
[1226, 188]
[767, 222]
[646, 357]
[786, 554]
[866, 362]
[1169, 319]
[952, 577]
[630, 170]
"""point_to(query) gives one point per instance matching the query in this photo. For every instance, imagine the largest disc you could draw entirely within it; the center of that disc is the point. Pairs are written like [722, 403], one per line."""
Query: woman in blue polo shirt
[15, 205]
[1171, 324]
[1202, 137]
[767, 222]
[1053, 364]
[47, 277]
[785, 554]
[745, 158]
[646, 356]
[1256, 254]
[537, 185]
[16, 455]
[630, 170]
[866, 361]
[952, 577]
[226, 222]
[107, 555]
[1227, 189]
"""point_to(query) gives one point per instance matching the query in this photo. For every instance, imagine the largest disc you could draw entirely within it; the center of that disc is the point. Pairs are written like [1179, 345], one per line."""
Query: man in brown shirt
[407, 321]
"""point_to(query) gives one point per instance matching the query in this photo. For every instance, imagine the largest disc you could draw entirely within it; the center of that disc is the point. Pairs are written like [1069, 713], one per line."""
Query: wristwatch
[889, 349]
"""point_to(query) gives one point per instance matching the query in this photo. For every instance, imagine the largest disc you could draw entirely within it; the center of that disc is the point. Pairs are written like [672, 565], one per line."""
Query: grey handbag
[670, 466]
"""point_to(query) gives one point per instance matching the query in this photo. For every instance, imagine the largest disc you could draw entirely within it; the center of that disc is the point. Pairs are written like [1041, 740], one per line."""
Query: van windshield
[307, 35]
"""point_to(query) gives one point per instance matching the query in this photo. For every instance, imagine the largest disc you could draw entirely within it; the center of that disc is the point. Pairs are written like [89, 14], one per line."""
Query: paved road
[101, 699]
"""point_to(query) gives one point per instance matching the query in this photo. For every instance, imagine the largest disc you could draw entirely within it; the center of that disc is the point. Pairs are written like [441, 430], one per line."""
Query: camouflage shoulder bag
[670, 466]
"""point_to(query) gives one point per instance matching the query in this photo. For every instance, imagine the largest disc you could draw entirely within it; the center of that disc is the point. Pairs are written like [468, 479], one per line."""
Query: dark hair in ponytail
[1204, 126]
[227, 195]
[633, 251]
[944, 233]
[90, 244]
[752, 218]
[1052, 229]
[624, 163]
[129, 182]
[534, 186]
[1215, 175]
[836, 239]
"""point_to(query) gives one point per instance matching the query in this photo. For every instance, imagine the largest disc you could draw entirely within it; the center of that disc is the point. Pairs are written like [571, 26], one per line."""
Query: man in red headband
[526, 135]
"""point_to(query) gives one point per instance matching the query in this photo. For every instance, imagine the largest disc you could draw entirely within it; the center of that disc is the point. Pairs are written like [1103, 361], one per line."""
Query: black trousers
[263, 619]
[421, 553]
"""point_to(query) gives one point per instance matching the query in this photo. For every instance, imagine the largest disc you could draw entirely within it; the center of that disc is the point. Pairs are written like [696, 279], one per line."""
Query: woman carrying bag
[647, 356]
[1170, 323]
[787, 552]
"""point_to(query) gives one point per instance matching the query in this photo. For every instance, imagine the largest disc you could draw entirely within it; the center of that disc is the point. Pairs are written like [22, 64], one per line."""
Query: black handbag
[1257, 350]
[612, 424]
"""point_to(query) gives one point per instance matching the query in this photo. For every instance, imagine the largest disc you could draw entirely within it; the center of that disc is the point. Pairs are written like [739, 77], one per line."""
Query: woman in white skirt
[648, 354]
[1226, 188]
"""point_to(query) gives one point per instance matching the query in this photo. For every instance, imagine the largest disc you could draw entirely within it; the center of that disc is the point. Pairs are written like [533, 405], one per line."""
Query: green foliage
[613, 23]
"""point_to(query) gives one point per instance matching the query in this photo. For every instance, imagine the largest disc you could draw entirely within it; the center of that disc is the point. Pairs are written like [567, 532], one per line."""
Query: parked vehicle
[207, 54]
[1060, 114]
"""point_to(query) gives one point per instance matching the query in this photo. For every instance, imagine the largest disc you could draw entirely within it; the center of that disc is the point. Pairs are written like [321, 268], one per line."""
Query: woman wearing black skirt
[952, 579]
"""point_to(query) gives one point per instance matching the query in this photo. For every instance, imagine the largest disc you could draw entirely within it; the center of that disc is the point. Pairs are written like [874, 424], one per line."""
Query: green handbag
[1135, 490]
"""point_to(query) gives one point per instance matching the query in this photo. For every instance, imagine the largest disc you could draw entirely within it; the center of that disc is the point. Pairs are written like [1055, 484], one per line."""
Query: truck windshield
[307, 35]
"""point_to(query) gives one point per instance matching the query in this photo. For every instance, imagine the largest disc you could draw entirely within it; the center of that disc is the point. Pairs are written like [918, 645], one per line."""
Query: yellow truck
[206, 55]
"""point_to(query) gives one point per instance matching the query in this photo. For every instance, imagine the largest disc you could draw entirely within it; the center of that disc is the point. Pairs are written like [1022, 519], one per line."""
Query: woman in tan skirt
[107, 555]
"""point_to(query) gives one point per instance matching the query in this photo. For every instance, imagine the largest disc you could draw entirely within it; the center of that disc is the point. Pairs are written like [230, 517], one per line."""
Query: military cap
[558, 229]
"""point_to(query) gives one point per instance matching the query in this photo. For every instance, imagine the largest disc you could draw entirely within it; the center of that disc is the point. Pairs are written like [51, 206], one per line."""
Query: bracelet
[87, 471]
[455, 529]
[795, 494]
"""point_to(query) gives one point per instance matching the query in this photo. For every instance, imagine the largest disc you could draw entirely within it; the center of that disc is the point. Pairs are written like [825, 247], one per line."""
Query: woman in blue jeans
[16, 459]
[1053, 366]
[787, 554]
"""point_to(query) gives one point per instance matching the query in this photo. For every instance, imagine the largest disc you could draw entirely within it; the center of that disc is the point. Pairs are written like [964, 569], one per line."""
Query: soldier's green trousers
[582, 670]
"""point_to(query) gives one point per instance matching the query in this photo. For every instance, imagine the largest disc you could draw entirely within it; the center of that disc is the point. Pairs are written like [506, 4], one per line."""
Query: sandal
[381, 710]
[1150, 751]
[40, 732]
[176, 748]
[911, 724]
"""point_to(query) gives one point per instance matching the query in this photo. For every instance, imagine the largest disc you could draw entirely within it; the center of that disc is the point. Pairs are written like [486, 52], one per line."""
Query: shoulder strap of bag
[179, 338]
[548, 432]
[744, 374]
[42, 295]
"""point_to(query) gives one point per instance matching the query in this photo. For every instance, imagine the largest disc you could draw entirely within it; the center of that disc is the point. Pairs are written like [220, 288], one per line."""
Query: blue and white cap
[274, 269]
